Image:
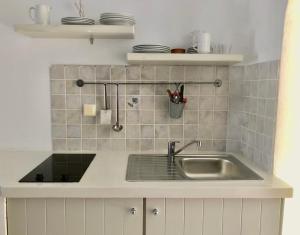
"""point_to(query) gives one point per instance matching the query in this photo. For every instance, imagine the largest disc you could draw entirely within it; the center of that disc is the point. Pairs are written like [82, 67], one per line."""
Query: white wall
[25, 62]
[168, 21]
[288, 126]
[266, 19]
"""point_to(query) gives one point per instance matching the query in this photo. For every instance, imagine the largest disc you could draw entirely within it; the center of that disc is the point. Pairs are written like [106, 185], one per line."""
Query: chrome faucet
[171, 148]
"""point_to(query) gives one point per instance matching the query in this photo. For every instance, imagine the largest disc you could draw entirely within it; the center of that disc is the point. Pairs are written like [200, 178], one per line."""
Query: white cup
[40, 14]
[201, 41]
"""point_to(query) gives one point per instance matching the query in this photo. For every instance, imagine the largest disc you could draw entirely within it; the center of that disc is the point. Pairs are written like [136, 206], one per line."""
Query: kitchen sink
[214, 168]
[151, 167]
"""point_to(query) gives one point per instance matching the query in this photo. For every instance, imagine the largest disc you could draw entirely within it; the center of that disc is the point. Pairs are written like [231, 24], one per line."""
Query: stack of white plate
[77, 21]
[116, 19]
[192, 50]
[151, 48]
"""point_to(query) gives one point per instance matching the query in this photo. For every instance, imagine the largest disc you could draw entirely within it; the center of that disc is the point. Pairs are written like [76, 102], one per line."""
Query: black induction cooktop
[60, 168]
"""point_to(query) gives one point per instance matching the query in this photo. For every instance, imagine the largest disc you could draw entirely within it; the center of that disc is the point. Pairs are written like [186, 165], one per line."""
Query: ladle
[117, 127]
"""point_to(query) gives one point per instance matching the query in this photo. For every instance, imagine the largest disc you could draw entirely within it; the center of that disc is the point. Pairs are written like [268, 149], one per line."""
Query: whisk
[80, 8]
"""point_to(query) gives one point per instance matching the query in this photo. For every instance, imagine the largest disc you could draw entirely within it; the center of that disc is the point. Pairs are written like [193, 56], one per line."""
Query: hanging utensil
[105, 114]
[181, 93]
[117, 127]
[176, 97]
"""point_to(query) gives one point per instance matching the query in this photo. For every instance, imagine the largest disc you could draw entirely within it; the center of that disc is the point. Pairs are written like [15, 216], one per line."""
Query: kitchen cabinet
[75, 216]
[213, 216]
[151, 216]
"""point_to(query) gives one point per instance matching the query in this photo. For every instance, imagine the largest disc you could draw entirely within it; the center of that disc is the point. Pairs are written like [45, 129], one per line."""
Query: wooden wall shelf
[183, 59]
[77, 31]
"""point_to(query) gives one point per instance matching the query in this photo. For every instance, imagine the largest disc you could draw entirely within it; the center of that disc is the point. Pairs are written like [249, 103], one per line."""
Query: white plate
[164, 52]
[75, 18]
[85, 21]
[90, 21]
[117, 18]
[75, 21]
[64, 23]
[112, 20]
[116, 14]
[151, 49]
[117, 23]
[150, 45]
[125, 16]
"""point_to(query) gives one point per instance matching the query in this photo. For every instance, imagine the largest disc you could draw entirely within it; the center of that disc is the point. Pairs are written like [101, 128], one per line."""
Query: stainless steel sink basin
[214, 168]
[187, 167]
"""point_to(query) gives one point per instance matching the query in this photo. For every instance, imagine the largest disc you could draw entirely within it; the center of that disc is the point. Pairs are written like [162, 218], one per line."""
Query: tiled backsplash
[252, 111]
[147, 125]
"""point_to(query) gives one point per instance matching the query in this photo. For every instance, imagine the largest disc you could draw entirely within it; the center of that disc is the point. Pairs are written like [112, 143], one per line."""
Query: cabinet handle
[132, 211]
[155, 211]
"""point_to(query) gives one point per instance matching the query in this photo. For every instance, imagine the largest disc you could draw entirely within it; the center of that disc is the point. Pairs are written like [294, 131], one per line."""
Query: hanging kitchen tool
[105, 114]
[181, 94]
[177, 101]
[117, 127]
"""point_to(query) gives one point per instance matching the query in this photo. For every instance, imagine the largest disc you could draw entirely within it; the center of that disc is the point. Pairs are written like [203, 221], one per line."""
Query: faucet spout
[171, 148]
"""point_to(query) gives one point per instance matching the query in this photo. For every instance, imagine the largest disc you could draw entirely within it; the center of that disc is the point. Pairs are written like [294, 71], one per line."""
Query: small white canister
[202, 40]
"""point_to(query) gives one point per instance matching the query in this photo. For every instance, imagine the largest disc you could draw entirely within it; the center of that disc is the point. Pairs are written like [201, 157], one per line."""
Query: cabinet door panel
[212, 216]
[75, 216]
[2, 216]
[55, 221]
[232, 216]
[113, 221]
[193, 211]
[16, 214]
[270, 216]
[118, 219]
[155, 224]
[94, 217]
[36, 216]
[174, 216]
[133, 223]
[251, 217]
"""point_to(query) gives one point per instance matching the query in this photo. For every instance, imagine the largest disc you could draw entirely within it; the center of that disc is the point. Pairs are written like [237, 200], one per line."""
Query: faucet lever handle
[171, 144]
[171, 147]
[173, 141]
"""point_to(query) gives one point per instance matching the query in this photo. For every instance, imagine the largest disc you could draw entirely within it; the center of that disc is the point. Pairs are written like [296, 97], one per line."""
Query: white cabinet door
[123, 216]
[155, 217]
[75, 216]
[213, 216]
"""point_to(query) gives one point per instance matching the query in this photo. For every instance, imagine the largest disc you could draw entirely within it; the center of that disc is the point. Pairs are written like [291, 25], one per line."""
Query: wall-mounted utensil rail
[81, 83]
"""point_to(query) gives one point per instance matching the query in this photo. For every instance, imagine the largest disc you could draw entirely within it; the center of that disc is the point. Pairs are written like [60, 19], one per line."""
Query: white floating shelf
[183, 59]
[77, 31]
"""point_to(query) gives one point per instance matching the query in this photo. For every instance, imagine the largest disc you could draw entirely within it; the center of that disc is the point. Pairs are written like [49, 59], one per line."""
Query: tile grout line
[154, 124]
[79, 69]
[66, 112]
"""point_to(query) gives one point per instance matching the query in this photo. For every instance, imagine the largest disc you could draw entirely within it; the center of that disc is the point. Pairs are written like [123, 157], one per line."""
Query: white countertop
[105, 178]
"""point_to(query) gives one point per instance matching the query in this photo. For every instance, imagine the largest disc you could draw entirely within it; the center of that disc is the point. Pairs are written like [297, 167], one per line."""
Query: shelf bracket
[92, 40]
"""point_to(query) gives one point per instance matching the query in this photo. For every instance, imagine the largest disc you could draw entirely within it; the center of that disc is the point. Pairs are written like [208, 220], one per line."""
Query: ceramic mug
[40, 14]
[201, 42]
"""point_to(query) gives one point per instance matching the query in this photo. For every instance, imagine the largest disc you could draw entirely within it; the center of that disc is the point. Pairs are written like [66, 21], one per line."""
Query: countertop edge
[229, 192]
